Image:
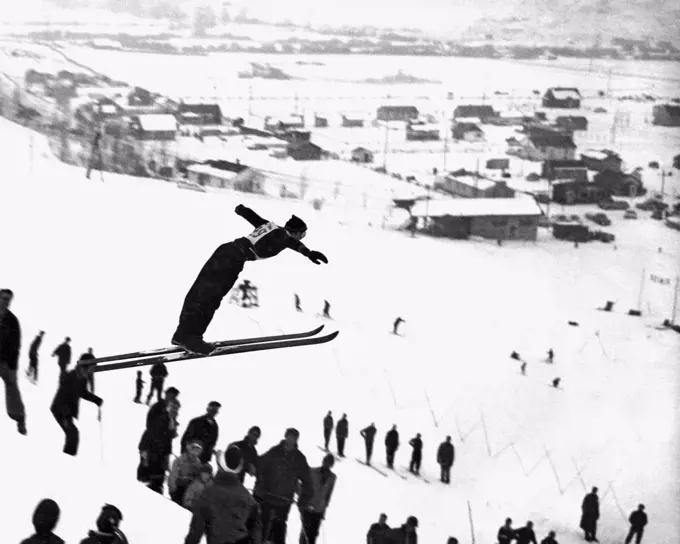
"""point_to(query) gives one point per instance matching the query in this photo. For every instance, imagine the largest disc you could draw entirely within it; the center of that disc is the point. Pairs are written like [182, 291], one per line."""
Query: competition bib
[261, 232]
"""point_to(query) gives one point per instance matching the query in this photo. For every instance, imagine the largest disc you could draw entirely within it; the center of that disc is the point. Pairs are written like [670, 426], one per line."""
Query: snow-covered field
[109, 264]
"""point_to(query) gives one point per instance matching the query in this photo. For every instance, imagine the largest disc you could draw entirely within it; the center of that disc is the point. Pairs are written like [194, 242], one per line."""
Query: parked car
[652, 204]
[599, 218]
[659, 214]
[574, 218]
[561, 218]
[613, 204]
[602, 236]
[630, 214]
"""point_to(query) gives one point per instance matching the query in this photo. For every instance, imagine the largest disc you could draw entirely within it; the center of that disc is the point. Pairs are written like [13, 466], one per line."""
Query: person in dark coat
[526, 535]
[108, 528]
[63, 354]
[45, 519]
[10, 346]
[550, 539]
[446, 455]
[32, 371]
[221, 271]
[416, 455]
[341, 434]
[160, 407]
[139, 385]
[323, 482]
[155, 446]
[205, 429]
[158, 373]
[66, 405]
[281, 472]
[327, 429]
[590, 513]
[506, 534]
[406, 534]
[391, 445]
[250, 455]
[226, 513]
[368, 434]
[89, 356]
[377, 530]
[638, 520]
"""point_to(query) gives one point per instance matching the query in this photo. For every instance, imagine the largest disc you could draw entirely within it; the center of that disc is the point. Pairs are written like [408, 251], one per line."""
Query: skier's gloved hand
[239, 209]
[317, 257]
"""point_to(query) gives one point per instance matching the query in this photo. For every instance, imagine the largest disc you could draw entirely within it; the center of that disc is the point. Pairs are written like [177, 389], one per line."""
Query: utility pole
[664, 174]
[385, 150]
[447, 129]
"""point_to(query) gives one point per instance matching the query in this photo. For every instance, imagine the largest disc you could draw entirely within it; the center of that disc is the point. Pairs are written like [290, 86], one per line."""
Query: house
[304, 151]
[666, 115]
[497, 218]
[37, 81]
[498, 164]
[572, 122]
[472, 185]
[562, 97]
[481, 112]
[564, 169]
[362, 155]
[397, 113]
[578, 192]
[199, 114]
[352, 120]
[247, 179]
[157, 127]
[293, 121]
[620, 183]
[467, 132]
[140, 97]
[420, 130]
[542, 144]
[320, 122]
[604, 159]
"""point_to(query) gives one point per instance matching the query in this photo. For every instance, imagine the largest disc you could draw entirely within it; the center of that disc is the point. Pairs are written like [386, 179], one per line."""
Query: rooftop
[160, 122]
[477, 207]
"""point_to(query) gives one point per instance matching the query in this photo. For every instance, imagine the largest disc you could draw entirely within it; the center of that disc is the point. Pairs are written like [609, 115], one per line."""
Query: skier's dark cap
[214, 404]
[255, 430]
[172, 391]
[109, 518]
[292, 432]
[296, 224]
[412, 521]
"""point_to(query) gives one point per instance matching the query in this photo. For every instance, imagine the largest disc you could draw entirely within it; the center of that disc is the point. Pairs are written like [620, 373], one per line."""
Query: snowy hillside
[108, 263]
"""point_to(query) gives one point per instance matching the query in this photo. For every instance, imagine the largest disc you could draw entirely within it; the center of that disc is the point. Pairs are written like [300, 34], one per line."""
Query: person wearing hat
[155, 447]
[406, 534]
[45, 519]
[282, 472]
[205, 429]
[250, 455]
[221, 271]
[107, 531]
[323, 483]
[226, 513]
[184, 469]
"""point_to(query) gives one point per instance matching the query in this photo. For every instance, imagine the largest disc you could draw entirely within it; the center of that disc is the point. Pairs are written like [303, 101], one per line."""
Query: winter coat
[638, 519]
[323, 483]
[376, 532]
[63, 353]
[446, 454]
[368, 434]
[97, 537]
[342, 428]
[72, 388]
[10, 340]
[524, 535]
[225, 512]
[250, 458]
[184, 470]
[205, 429]
[278, 473]
[49, 538]
[399, 536]
[417, 445]
[193, 492]
[159, 370]
[505, 535]
[392, 440]
[328, 424]
[158, 436]
[590, 509]
[87, 356]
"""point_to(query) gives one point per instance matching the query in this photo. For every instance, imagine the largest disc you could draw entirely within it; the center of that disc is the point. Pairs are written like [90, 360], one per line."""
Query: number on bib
[261, 232]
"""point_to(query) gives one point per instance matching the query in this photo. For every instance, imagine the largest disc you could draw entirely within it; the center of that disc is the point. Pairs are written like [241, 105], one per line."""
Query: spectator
[225, 512]
[45, 519]
[139, 385]
[158, 373]
[184, 470]
[280, 473]
[66, 405]
[550, 539]
[196, 487]
[327, 429]
[323, 482]
[249, 451]
[452, 540]
[205, 429]
[416, 455]
[378, 530]
[406, 534]
[506, 533]
[10, 346]
[155, 446]
[590, 513]
[526, 535]
[108, 531]
[89, 356]
[368, 434]
[63, 354]
[341, 434]
[159, 407]
[391, 445]
[638, 520]
[32, 371]
[446, 454]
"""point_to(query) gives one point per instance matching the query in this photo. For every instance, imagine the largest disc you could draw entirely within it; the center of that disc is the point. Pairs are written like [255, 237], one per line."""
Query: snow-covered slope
[109, 264]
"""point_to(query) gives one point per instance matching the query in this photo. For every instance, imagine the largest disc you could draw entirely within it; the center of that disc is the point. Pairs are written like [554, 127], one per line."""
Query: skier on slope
[220, 272]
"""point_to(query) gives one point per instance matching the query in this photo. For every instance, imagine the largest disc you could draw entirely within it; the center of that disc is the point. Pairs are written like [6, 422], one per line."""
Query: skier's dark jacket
[10, 340]
[49, 538]
[376, 532]
[524, 535]
[505, 535]
[399, 536]
[278, 473]
[638, 519]
[446, 454]
[35, 346]
[392, 439]
[158, 371]
[225, 512]
[417, 445]
[328, 423]
[158, 435]
[269, 245]
[250, 456]
[203, 428]
[368, 434]
[341, 429]
[63, 353]
[97, 537]
[72, 388]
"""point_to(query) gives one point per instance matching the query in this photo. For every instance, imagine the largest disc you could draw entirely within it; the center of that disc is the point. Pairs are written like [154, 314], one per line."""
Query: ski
[223, 350]
[371, 466]
[337, 457]
[408, 472]
[402, 476]
[224, 343]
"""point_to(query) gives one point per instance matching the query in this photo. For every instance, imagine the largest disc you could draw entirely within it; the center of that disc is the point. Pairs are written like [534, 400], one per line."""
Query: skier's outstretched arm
[250, 216]
[315, 256]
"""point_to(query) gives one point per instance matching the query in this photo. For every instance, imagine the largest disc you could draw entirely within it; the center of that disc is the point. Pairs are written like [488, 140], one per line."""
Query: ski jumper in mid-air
[221, 271]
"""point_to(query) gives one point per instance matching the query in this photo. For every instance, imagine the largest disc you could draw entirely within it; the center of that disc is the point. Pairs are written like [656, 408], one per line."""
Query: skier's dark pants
[311, 523]
[415, 463]
[71, 431]
[369, 452]
[157, 386]
[390, 458]
[634, 532]
[446, 474]
[138, 395]
[33, 368]
[216, 278]
[178, 494]
[274, 521]
[153, 473]
[326, 437]
[341, 445]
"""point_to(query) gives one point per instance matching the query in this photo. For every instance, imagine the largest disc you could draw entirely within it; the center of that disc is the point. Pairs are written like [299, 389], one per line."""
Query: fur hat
[46, 516]
[230, 460]
[296, 224]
